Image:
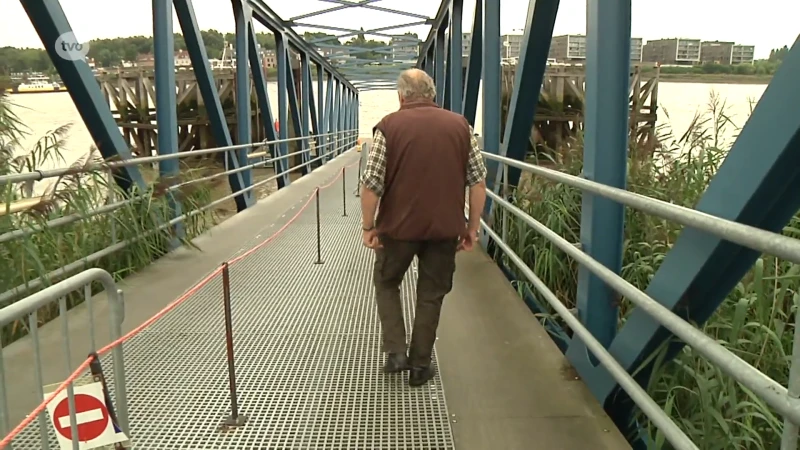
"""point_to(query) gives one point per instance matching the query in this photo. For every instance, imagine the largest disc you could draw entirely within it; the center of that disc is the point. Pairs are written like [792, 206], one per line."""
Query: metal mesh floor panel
[307, 344]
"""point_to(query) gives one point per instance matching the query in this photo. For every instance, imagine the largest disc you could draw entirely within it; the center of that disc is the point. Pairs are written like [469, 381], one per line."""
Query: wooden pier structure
[559, 114]
[132, 98]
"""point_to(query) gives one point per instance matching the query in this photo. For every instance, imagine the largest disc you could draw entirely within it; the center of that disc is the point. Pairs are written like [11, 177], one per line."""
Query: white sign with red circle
[94, 425]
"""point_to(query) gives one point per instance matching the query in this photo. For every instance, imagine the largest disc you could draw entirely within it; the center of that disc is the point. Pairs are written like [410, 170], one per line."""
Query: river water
[678, 101]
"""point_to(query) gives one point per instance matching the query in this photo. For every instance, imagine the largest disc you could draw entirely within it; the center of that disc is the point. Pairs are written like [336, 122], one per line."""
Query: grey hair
[415, 84]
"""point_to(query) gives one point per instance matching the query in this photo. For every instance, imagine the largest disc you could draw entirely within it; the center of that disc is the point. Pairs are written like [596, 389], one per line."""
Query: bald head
[415, 85]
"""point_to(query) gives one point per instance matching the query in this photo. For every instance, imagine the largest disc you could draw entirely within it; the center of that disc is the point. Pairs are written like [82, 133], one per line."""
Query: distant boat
[36, 85]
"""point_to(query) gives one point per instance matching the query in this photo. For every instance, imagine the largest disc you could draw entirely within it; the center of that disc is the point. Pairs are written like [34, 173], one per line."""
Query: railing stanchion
[344, 192]
[319, 231]
[360, 162]
[235, 419]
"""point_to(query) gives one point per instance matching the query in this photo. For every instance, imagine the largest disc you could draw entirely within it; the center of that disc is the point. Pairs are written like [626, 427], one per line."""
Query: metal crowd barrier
[346, 139]
[26, 309]
[783, 400]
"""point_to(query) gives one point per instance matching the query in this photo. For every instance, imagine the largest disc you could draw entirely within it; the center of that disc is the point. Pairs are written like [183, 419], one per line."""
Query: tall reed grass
[45, 249]
[756, 321]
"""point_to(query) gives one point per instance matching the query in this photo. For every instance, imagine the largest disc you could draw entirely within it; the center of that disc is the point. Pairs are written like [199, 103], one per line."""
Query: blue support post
[608, 44]
[532, 64]
[166, 105]
[456, 65]
[448, 66]
[48, 18]
[208, 90]
[337, 110]
[330, 140]
[260, 85]
[294, 108]
[241, 14]
[439, 66]
[312, 103]
[474, 65]
[305, 92]
[430, 62]
[321, 111]
[282, 57]
[756, 185]
[492, 93]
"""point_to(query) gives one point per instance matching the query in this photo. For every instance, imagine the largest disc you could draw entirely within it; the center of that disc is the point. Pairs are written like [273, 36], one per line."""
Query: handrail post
[360, 162]
[234, 420]
[319, 231]
[344, 192]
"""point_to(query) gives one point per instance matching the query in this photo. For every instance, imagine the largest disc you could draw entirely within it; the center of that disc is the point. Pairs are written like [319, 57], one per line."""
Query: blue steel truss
[757, 185]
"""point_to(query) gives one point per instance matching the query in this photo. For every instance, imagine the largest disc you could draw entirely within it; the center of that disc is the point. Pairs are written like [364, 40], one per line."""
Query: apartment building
[674, 51]
[716, 52]
[743, 54]
[510, 46]
[466, 43]
[572, 48]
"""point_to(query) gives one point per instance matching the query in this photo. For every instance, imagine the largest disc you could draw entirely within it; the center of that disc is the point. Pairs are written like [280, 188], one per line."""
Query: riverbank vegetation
[32, 258]
[756, 321]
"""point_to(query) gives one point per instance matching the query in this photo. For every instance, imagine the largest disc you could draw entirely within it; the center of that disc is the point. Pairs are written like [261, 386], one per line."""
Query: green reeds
[756, 321]
[30, 258]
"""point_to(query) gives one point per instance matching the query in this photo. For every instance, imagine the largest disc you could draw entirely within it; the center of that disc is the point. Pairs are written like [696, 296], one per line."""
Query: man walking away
[422, 160]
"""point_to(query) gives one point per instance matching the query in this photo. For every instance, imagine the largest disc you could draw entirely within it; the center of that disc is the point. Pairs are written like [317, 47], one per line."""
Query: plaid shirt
[375, 172]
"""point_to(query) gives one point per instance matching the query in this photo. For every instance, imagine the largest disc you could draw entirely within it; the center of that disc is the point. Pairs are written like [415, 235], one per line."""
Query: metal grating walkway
[307, 341]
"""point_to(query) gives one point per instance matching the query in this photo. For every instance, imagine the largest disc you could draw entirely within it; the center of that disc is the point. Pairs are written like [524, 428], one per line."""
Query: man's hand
[370, 239]
[468, 239]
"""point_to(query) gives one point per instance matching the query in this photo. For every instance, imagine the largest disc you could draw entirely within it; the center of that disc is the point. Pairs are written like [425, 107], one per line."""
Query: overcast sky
[766, 24]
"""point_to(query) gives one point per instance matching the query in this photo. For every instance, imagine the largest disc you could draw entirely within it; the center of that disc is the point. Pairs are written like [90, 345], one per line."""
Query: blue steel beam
[757, 185]
[321, 111]
[294, 109]
[50, 22]
[336, 111]
[474, 65]
[378, 8]
[282, 58]
[448, 65]
[334, 9]
[349, 32]
[166, 103]
[260, 86]
[492, 93]
[605, 156]
[241, 15]
[306, 103]
[530, 71]
[439, 65]
[454, 60]
[438, 21]
[208, 90]
[266, 16]
[329, 114]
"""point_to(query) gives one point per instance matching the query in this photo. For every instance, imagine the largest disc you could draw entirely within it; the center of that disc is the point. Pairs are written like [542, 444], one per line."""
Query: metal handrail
[57, 292]
[755, 238]
[770, 391]
[9, 295]
[72, 218]
[38, 175]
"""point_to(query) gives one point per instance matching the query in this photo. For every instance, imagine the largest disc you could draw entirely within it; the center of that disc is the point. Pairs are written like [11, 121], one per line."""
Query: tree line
[112, 52]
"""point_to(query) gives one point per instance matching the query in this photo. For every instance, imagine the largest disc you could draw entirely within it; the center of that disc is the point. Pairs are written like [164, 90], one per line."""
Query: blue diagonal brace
[48, 18]
[208, 90]
[474, 65]
[294, 109]
[260, 85]
[757, 185]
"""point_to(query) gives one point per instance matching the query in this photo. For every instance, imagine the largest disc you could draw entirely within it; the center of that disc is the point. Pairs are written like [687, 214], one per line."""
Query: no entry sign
[91, 416]
[92, 420]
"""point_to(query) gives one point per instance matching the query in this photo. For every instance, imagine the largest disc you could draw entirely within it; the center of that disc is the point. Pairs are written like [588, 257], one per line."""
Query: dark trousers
[437, 263]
